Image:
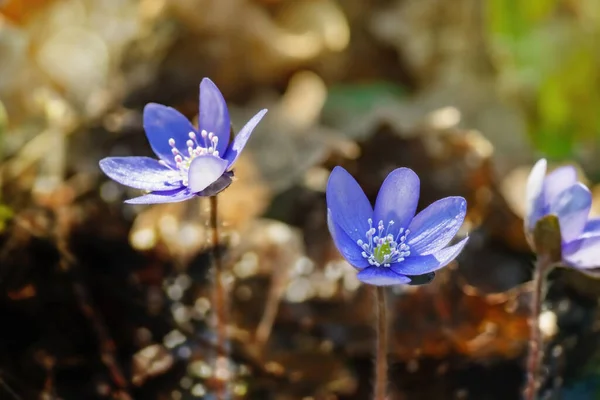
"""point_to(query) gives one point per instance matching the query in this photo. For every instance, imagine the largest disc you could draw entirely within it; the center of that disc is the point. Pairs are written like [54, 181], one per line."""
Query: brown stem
[381, 367]
[220, 306]
[542, 266]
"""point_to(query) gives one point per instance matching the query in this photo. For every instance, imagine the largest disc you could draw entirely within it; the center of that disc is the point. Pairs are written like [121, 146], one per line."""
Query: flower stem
[540, 272]
[381, 367]
[221, 367]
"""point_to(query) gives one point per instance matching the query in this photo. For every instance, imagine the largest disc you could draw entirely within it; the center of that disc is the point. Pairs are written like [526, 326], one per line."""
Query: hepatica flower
[389, 244]
[191, 162]
[560, 193]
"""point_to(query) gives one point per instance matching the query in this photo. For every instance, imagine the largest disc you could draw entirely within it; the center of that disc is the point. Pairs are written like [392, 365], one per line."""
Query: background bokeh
[101, 300]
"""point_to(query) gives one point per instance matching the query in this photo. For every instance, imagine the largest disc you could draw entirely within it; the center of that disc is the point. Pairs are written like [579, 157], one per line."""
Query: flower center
[207, 145]
[381, 247]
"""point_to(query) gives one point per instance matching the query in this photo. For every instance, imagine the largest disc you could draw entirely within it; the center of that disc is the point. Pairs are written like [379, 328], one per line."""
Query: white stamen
[395, 250]
[194, 149]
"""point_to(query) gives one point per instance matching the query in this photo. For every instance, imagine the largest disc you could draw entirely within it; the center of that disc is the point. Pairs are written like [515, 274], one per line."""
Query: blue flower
[559, 193]
[390, 243]
[192, 162]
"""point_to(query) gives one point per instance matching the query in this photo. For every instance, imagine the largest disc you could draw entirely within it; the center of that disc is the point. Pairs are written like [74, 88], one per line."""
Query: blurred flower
[400, 244]
[193, 162]
[559, 193]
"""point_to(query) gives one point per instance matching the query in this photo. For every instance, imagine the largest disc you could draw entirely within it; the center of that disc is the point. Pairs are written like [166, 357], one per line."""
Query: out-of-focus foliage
[350, 107]
[5, 212]
[547, 55]
[456, 90]
[3, 127]
[3, 122]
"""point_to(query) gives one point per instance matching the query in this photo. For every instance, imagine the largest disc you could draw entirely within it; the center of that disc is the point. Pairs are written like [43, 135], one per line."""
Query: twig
[9, 390]
[542, 266]
[265, 326]
[381, 367]
[241, 355]
[220, 305]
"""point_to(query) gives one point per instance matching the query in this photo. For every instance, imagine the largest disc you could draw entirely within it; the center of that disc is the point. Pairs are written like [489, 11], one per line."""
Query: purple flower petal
[169, 196]
[583, 253]
[242, 137]
[217, 186]
[418, 280]
[349, 206]
[572, 207]
[419, 265]
[381, 276]
[162, 123]
[557, 181]
[204, 171]
[214, 115]
[397, 199]
[435, 226]
[534, 195]
[346, 246]
[140, 173]
[592, 228]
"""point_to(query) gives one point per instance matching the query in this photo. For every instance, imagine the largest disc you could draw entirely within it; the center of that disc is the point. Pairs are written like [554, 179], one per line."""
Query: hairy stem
[220, 306]
[381, 367]
[540, 272]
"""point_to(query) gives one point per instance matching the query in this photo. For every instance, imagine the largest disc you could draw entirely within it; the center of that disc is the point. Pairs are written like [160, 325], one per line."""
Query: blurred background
[102, 300]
